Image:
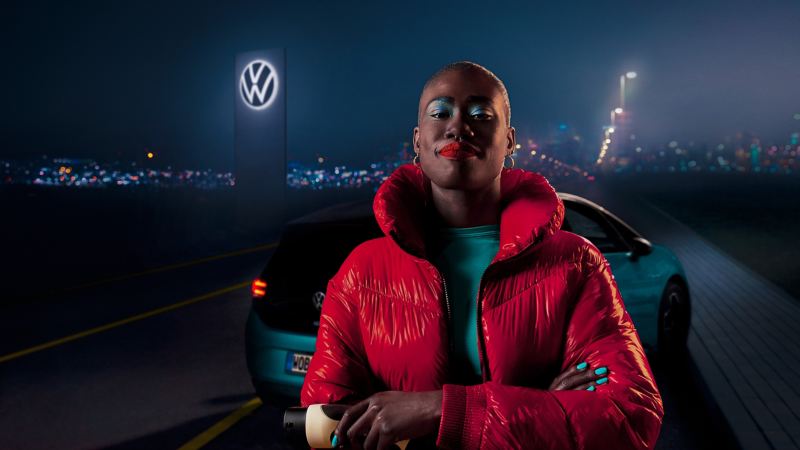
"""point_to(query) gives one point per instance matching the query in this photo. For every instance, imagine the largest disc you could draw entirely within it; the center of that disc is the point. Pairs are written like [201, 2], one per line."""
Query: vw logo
[317, 300]
[258, 84]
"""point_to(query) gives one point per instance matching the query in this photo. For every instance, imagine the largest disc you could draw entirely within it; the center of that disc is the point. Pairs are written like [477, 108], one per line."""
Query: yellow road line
[118, 323]
[220, 427]
[243, 251]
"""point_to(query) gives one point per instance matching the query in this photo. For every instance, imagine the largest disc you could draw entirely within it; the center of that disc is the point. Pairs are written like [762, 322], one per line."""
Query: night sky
[109, 80]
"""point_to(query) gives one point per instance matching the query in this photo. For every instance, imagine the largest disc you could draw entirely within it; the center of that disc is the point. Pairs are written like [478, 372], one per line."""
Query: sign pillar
[260, 147]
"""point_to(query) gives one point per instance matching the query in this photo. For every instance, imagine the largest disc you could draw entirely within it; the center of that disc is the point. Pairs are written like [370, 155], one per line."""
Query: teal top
[463, 255]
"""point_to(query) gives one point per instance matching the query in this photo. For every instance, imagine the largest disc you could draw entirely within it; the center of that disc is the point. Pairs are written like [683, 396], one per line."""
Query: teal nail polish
[602, 380]
[581, 366]
[590, 388]
[600, 371]
[335, 441]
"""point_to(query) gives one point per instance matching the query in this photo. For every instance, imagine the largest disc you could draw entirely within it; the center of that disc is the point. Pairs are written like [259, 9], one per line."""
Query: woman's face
[465, 107]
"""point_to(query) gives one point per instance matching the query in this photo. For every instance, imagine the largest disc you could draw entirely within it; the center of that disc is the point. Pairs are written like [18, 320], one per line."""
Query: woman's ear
[512, 139]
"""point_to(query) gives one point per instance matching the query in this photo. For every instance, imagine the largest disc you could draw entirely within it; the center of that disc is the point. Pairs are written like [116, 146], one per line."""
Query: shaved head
[468, 66]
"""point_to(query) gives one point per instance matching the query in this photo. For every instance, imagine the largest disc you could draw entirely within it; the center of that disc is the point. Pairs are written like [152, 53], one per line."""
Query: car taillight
[258, 288]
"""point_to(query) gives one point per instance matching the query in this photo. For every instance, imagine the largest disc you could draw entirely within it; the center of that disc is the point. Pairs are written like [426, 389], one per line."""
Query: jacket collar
[531, 210]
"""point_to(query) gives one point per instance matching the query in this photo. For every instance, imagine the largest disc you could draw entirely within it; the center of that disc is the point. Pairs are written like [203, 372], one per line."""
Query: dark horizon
[111, 81]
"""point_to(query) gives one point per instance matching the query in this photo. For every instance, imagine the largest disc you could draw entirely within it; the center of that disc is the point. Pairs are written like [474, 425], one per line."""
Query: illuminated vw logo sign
[317, 300]
[258, 84]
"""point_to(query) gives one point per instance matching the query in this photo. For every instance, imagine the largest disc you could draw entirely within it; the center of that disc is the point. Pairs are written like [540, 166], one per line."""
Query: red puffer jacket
[546, 302]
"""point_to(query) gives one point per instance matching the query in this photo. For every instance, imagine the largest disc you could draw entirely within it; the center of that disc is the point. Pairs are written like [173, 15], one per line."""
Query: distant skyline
[110, 80]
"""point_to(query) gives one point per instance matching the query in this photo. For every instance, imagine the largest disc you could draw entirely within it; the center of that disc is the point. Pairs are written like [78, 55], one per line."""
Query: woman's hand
[580, 377]
[382, 419]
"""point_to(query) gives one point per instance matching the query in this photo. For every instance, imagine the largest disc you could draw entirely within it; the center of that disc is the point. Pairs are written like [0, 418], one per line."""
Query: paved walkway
[745, 332]
[746, 341]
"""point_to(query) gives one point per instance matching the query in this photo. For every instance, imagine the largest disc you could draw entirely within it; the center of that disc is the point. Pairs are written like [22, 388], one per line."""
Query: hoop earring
[512, 161]
[415, 161]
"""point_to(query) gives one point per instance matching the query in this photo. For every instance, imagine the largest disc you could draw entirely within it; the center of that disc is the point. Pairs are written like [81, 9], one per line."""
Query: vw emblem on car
[317, 299]
[258, 84]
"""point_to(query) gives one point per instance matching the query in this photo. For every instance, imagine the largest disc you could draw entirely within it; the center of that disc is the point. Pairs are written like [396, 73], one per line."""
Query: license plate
[297, 362]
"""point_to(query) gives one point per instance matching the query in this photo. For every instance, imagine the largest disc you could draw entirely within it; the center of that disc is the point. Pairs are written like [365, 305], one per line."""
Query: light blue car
[287, 297]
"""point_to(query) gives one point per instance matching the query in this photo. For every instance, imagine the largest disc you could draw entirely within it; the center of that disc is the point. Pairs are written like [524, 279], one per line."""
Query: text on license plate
[297, 362]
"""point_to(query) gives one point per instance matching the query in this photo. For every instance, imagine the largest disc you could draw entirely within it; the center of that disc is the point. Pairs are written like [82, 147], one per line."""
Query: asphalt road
[154, 382]
[157, 360]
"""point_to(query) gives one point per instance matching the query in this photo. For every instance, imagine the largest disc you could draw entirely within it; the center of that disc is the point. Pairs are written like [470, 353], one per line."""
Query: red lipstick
[457, 150]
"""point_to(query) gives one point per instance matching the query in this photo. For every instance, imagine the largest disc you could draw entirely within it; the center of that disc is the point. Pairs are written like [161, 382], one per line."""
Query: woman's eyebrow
[441, 99]
[471, 98]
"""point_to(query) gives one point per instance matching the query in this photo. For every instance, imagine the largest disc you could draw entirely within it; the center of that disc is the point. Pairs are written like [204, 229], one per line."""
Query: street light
[614, 113]
[622, 78]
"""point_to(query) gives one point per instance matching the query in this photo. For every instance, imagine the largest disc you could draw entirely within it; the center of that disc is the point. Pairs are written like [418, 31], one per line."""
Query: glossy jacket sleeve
[624, 413]
[338, 372]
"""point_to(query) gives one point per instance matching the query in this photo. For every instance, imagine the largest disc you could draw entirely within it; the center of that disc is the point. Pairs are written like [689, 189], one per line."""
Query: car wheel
[674, 318]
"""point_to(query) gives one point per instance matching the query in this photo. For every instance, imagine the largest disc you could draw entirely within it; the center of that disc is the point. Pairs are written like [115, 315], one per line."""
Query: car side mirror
[641, 247]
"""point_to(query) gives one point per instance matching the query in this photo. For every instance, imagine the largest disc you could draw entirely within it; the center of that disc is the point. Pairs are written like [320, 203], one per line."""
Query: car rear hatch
[310, 252]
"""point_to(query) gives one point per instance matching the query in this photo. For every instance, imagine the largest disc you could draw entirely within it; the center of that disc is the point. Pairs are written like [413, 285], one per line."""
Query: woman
[476, 321]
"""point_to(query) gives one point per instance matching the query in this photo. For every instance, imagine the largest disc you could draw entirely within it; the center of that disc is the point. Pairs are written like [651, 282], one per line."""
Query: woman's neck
[461, 209]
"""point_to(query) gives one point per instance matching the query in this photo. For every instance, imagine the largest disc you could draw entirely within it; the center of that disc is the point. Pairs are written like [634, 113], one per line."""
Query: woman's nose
[458, 128]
